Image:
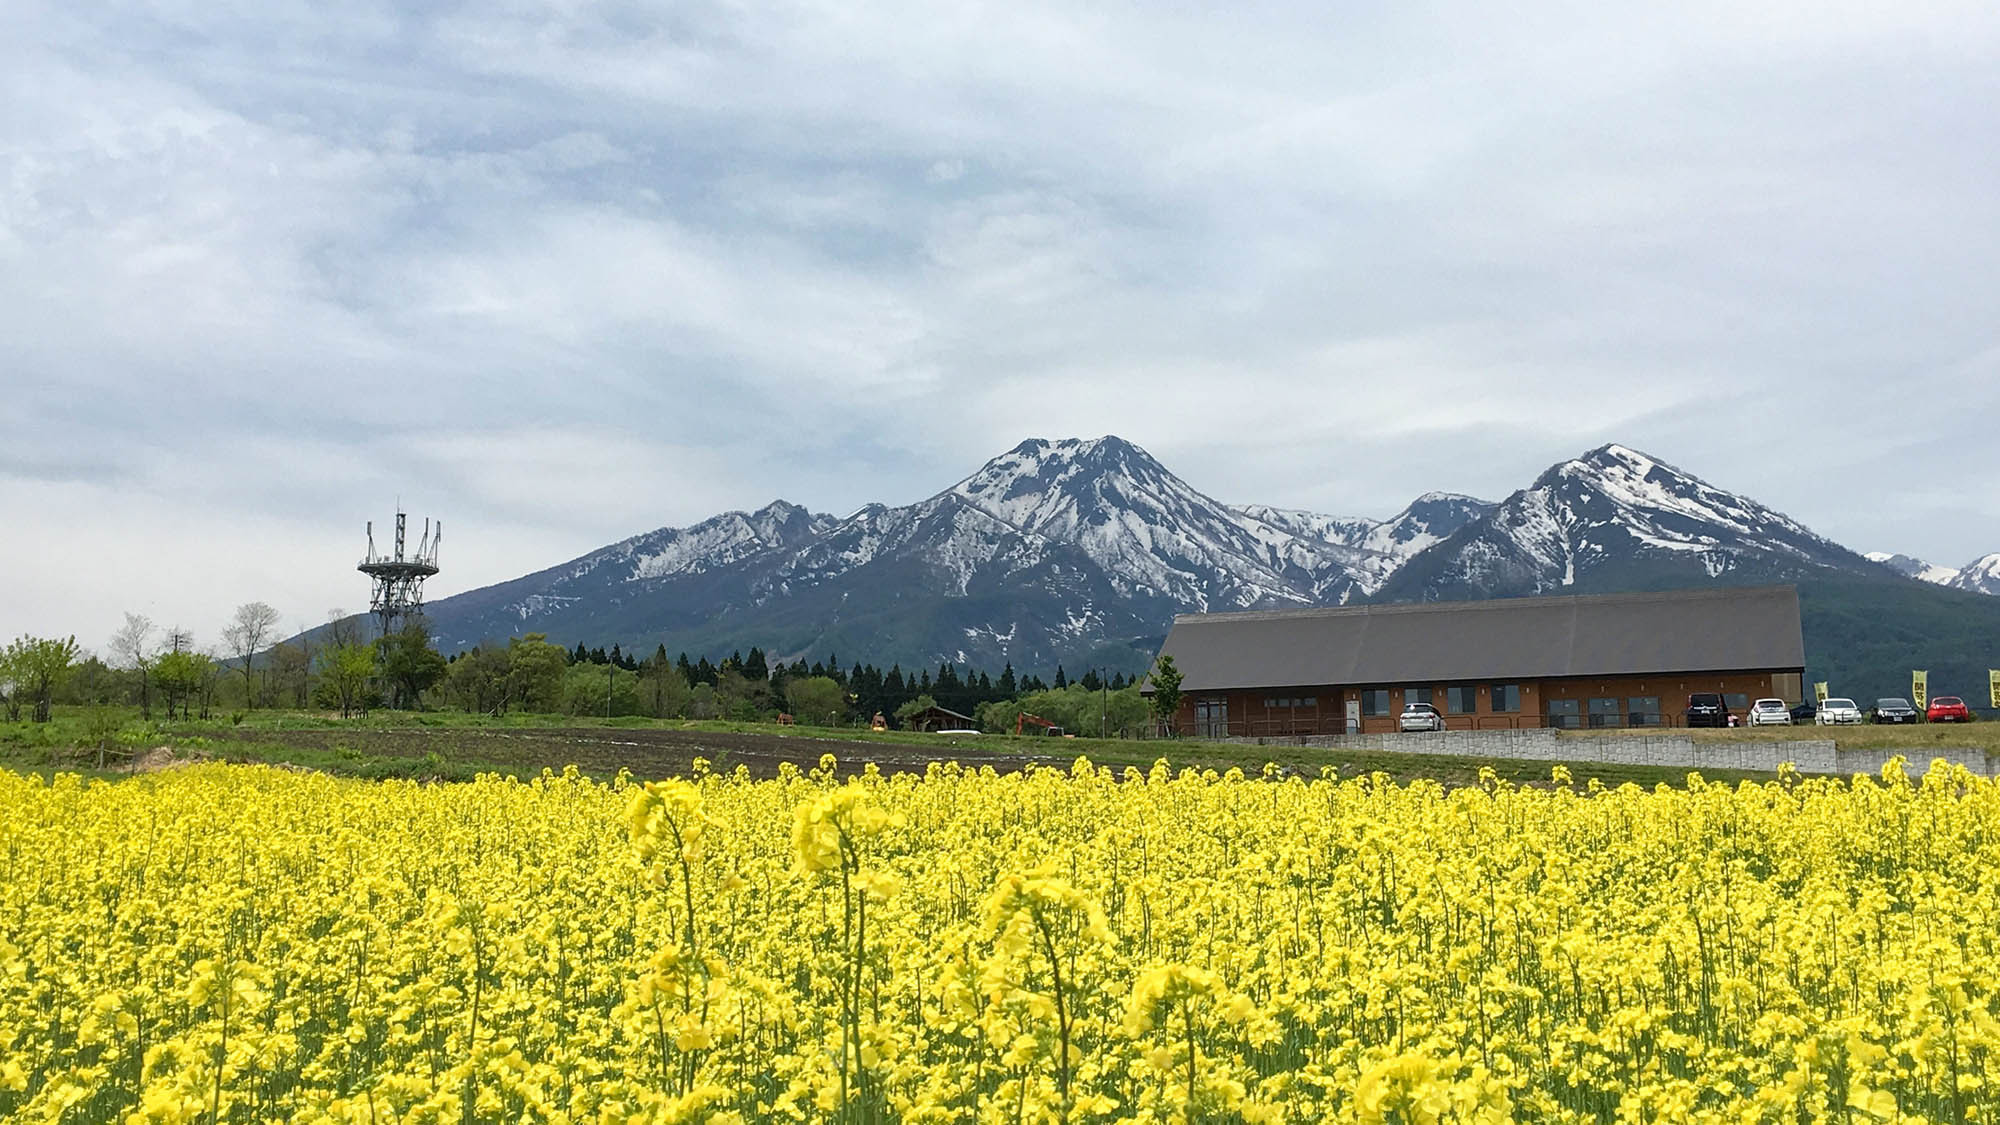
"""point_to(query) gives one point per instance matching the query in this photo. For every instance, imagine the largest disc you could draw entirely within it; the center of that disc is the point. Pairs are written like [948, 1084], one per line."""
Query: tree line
[339, 670]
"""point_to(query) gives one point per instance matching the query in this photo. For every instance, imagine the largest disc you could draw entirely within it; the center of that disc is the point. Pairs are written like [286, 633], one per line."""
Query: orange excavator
[1022, 719]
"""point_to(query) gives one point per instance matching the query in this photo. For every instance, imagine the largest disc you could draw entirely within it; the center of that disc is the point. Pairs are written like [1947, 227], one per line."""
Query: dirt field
[602, 751]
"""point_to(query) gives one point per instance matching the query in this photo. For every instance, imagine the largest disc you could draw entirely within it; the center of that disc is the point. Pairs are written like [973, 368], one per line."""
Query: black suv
[1706, 709]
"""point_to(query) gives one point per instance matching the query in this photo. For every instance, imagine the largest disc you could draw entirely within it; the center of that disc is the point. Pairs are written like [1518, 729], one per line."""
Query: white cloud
[568, 271]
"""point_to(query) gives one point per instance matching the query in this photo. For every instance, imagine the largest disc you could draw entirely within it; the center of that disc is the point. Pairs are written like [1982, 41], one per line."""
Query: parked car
[1895, 711]
[1770, 713]
[1838, 712]
[1706, 709]
[1805, 712]
[1420, 716]
[1947, 709]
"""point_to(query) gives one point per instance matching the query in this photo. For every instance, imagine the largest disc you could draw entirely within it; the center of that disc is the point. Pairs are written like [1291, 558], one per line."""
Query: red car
[1947, 709]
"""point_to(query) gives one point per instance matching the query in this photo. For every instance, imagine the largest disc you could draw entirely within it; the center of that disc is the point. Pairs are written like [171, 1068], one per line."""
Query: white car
[1770, 712]
[1838, 712]
[1420, 716]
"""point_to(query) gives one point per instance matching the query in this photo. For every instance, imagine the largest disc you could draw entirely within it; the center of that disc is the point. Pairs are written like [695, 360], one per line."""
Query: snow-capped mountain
[1911, 567]
[1083, 551]
[1616, 518]
[1045, 552]
[1981, 576]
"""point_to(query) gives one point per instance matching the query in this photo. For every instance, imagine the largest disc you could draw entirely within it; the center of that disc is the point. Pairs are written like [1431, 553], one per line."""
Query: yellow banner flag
[1993, 682]
[1919, 690]
[1819, 692]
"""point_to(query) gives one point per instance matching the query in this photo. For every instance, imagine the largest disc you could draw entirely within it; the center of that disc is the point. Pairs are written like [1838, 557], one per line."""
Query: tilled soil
[603, 751]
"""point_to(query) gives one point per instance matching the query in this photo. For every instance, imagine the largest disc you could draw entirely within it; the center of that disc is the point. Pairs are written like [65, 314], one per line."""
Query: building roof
[1708, 630]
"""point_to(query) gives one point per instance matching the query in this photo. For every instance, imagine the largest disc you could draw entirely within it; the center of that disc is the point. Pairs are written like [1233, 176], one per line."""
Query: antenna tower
[398, 593]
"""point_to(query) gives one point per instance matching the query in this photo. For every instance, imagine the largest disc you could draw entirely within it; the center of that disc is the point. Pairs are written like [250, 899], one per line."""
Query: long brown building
[1579, 661]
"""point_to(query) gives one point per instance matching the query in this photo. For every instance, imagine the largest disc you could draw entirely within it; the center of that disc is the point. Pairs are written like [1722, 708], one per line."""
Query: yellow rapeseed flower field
[246, 944]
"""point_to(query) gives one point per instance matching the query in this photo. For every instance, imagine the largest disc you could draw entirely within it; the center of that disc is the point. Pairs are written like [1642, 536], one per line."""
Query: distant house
[940, 718]
[1573, 662]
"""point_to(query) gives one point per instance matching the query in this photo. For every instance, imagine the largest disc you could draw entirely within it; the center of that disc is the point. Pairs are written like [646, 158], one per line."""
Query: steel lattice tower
[398, 592]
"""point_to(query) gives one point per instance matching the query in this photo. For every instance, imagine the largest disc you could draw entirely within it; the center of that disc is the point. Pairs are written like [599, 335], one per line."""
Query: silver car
[1838, 712]
[1770, 712]
[1420, 716]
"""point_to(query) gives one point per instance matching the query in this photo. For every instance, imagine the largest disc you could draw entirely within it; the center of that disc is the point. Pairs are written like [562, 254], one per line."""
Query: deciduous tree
[37, 666]
[246, 635]
[409, 663]
[346, 669]
[478, 680]
[183, 674]
[816, 700]
[535, 673]
[131, 649]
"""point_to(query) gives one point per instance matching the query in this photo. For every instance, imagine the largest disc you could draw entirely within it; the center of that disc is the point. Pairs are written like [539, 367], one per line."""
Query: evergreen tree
[581, 655]
[1092, 681]
[617, 657]
[1008, 687]
[1062, 681]
[924, 683]
[1118, 681]
[818, 669]
[705, 673]
[985, 688]
[1166, 692]
[755, 669]
[688, 674]
[1033, 684]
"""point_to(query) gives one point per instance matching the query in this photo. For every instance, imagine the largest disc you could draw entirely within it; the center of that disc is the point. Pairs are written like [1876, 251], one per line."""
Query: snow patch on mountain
[721, 541]
[1981, 576]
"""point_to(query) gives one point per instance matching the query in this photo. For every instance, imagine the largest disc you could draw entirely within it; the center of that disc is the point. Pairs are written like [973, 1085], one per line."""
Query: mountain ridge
[1081, 551]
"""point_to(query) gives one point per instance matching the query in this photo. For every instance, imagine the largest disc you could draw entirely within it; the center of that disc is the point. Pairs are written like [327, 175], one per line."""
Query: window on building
[1416, 695]
[1506, 698]
[1375, 701]
[1645, 711]
[1564, 713]
[1606, 713]
[1276, 702]
[1461, 699]
[1211, 718]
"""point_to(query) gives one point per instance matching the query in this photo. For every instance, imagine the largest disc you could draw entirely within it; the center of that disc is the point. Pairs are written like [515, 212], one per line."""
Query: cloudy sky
[560, 272]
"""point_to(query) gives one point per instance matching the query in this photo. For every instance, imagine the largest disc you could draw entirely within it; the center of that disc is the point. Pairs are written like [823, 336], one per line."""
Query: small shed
[940, 718]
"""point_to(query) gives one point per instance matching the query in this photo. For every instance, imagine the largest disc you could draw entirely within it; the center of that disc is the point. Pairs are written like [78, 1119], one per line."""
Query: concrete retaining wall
[1817, 755]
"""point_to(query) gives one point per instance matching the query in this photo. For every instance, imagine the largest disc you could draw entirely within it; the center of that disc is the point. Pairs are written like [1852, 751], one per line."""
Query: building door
[1354, 716]
[1211, 718]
